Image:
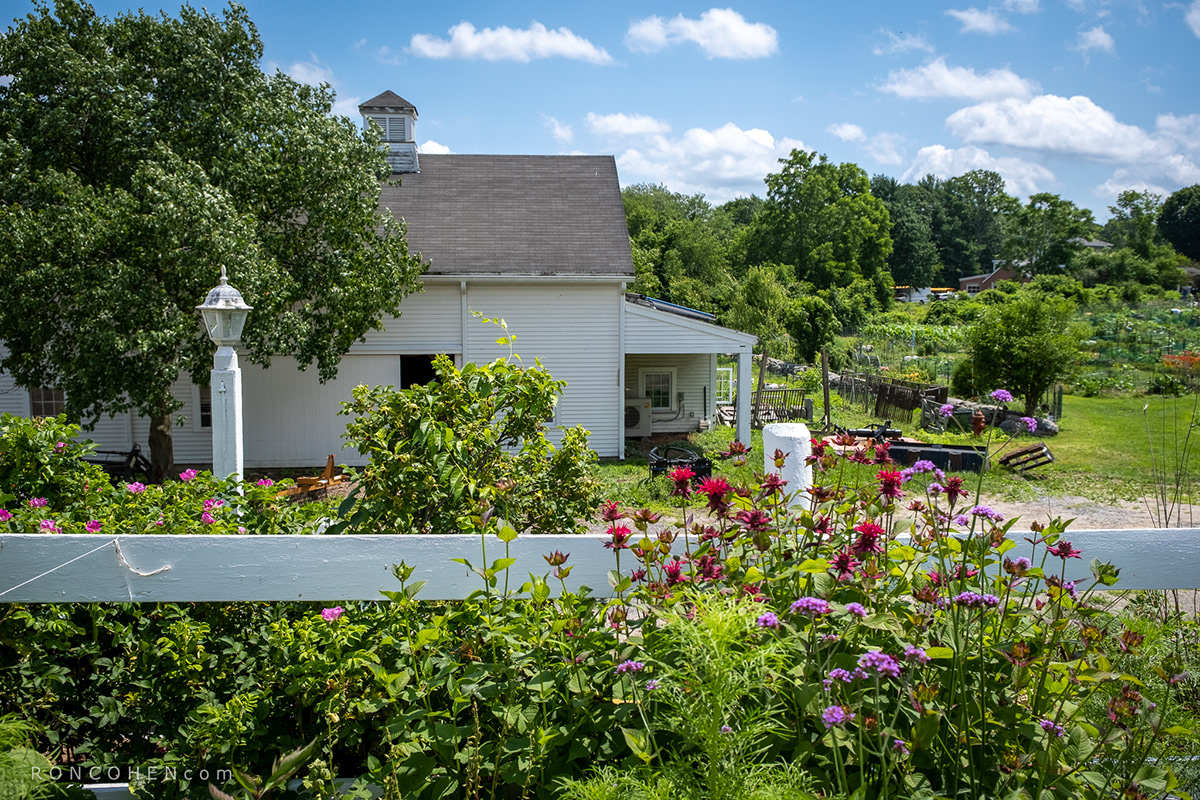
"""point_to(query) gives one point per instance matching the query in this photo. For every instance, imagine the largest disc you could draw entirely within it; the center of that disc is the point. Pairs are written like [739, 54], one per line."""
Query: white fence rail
[48, 568]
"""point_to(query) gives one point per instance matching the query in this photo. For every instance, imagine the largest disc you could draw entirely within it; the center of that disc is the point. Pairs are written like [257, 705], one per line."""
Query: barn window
[659, 386]
[46, 402]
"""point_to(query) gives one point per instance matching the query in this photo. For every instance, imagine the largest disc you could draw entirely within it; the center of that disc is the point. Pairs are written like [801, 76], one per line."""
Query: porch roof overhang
[654, 330]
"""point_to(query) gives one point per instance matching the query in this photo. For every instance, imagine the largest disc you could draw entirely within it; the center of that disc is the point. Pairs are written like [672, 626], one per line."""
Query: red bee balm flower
[868, 539]
[682, 478]
[754, 520]
[1064, 550]
[889, 484]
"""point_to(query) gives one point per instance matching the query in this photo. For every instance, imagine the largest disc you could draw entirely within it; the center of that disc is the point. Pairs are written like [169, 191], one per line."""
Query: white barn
[540, 241]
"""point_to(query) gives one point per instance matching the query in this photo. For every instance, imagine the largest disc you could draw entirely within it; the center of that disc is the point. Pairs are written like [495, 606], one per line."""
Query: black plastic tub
[949, 457]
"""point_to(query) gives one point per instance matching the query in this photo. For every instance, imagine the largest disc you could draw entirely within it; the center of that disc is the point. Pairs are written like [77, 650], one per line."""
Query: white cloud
[1095, 39]
[314, 73]
[975, 21]
[558, 130]
[1077, 127]
[347, 107]
[508, 44]
[1050, 123]
[1192, 17]
[885, 148]
[1022, 6]
[1020, 176]
[434, 148]
[1184, 131]
[722, 164]
[903, 43]
[936, 80]
[847, 132]
[720, 33]
[625, 124]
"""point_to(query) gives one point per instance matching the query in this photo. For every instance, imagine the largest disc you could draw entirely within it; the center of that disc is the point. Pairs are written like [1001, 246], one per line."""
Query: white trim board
[230, 568]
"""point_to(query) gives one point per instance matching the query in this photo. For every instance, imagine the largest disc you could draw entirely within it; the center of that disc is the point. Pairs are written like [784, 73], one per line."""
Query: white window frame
[724, 398]
[643, 372]
[60, 401]
[197, 417]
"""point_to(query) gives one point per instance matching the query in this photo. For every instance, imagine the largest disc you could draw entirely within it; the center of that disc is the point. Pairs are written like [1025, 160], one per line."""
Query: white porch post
[745, 385]
[226, 377]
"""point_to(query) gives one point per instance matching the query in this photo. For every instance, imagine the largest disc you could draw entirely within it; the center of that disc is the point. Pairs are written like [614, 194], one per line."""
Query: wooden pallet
[1028, 458]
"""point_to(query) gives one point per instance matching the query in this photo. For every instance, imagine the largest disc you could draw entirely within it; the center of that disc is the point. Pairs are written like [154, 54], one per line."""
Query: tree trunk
[162, 448]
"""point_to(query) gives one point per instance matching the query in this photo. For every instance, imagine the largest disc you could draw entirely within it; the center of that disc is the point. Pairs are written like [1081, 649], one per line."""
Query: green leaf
[506, 534]
[639, 743]
[939, 652]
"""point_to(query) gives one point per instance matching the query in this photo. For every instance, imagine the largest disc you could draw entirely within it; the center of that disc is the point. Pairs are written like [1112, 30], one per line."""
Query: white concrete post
[228, 455]
[745, 386]
[793, 439]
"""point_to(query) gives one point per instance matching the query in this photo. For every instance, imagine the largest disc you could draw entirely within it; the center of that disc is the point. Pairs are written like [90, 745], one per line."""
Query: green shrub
[41, 457]
[469, 444]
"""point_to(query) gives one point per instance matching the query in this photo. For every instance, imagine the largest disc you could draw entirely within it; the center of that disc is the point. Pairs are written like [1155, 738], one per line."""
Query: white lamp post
[224, 312]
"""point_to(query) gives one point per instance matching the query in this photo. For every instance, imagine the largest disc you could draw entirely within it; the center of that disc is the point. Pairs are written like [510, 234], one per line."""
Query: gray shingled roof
[514, 215]
[388, 101]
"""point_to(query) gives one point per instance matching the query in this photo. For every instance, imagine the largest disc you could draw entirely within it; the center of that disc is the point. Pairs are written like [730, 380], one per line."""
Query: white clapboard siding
[692, 375]
[161, 568]
[649, 330]
[573, 329]
[13, 399]
[429, 323]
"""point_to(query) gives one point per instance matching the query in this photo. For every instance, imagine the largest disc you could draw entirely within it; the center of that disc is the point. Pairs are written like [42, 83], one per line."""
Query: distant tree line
[825, 248]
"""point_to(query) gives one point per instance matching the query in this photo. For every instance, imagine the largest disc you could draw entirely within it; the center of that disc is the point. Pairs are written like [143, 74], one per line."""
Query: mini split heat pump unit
[637, 416]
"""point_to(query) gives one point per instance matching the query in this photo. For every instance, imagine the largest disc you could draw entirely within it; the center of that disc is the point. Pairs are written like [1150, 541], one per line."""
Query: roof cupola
[396, 118]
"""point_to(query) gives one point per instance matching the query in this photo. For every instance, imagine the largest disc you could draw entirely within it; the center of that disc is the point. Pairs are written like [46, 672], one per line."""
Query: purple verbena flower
[986, 511]
[1031, 424]
[1049, 727]
[840, 674]
[856, 609]
[629, 666]
[652, 684]
[811, 607]
[879, 662]
[918, 654]
[946, 411]
[726, 729]
[1002, 396]
[975, 600]
[836, 717]
[900, 746]
[768, 620]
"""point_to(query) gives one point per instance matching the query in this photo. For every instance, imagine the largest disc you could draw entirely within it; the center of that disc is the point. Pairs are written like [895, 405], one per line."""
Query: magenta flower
[754, 520]
[836, 717]
[93, 526]
[856, 609]
[1002, 396]
[207, 518]
[610, 511]
[682, 478]
[975, 600]
[868, 539]
[889, 484]
[768, 620]
[331, 614]
[38, 502]
[619, 537]
[845, 564]
[49, 526]
[265, 482]
[946, 411]
[812, 607]
[136, 487]
[900, 746]
[840, 674]
[5, 516]
[188, 474]
[726, 729]
[652, 684]
[629, 666]
[1064, 550]
[1031, 424]
[60, 446]
[212, 503]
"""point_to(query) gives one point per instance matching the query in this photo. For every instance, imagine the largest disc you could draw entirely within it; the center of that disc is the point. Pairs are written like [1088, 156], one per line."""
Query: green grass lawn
[1107, 450]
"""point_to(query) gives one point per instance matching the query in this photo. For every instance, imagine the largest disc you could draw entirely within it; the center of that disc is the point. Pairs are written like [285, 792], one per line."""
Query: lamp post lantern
[224, 312]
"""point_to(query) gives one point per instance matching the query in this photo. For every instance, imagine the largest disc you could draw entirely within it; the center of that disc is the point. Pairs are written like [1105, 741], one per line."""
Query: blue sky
[1083, 98]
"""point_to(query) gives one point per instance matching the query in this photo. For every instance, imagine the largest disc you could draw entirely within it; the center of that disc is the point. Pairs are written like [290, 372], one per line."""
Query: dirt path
[1090, 515]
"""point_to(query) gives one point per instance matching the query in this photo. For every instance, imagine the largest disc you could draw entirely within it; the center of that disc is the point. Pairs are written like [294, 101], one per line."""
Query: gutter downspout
[620, 404]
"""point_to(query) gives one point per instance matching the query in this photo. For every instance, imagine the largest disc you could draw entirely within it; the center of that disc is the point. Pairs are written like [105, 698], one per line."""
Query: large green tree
[1179, 221]
[1025, 345]
[1133, 222]
[1040, 234]
[822, 219]
[140, 154]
